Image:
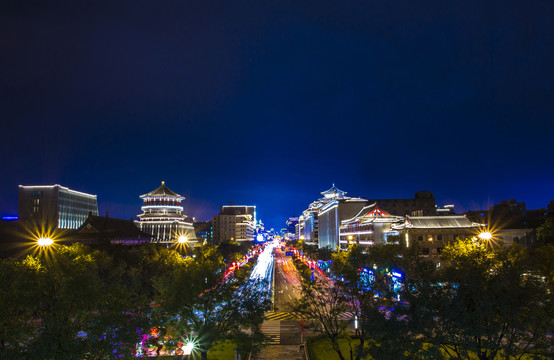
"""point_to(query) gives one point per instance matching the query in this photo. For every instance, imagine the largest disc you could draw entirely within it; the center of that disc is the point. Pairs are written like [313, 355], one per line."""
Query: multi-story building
[162, 216]
[371, 225]
[308, 222]
[56, 206]
[204, 231]
[423, 204]
[235, 223]
[292, 228]
[432, 233]
[335, 208]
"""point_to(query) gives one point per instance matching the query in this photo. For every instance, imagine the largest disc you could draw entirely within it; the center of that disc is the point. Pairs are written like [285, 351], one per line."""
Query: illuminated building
[292, 227]
[235, 223]
[308, 222]
[56, 205]
[335, 208]
[432, 233]
[163, 216]
[372, 225]
[204, 232]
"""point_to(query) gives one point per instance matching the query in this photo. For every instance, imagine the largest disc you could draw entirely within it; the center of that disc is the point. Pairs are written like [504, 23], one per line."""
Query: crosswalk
[280, 315]
[272, 329]
[283, 316]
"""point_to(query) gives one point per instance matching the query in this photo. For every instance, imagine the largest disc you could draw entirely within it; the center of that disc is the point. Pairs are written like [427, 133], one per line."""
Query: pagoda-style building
[162, 216]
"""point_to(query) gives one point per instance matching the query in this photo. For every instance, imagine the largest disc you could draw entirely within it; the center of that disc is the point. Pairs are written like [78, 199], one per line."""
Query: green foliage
[196, 301]
[545, 233]
[323, 305]
[484, 302]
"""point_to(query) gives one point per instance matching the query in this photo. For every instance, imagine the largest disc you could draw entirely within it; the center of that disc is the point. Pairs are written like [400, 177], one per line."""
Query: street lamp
[486, 235]
[182, 239]
[187, 349]
[45, 241]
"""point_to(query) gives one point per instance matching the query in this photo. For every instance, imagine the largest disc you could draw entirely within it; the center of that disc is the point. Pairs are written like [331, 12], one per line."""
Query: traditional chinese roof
[368, 212]
[96, 227]
[436, 222]
[162, 190]
[333, 192]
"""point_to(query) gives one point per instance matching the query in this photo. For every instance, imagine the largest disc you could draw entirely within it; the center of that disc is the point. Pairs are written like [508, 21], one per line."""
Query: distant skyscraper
[235, 223]
[163, 216]
[56, 205]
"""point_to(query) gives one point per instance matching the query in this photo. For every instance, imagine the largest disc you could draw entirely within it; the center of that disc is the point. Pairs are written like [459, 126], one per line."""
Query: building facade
[292, 228]
[336, 206]
[56, 206]
[204, 232]
[235, 223]
[423, 204]
[98, 230]
[432, 233]
[162, 216]
[372, 225]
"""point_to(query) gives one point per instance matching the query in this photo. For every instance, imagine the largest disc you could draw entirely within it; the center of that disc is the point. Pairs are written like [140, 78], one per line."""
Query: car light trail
[264, 265]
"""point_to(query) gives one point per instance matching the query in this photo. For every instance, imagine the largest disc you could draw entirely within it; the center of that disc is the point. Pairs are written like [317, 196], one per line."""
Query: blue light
[259, 238]
[396, 274]
[10, 217]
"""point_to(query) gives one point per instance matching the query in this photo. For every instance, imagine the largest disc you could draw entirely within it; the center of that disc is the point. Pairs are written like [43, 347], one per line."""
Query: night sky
[270, 102]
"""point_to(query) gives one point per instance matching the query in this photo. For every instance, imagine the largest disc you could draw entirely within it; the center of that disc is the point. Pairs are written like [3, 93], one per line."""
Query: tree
[545, 233]
[18, 285]
[484, 303]
[198, 302]
[381, 330]
[323, 304]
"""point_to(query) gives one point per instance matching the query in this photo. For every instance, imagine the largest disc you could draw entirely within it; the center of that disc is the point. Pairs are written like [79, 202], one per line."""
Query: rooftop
[333, 192]
[162, 190]
[435, 222]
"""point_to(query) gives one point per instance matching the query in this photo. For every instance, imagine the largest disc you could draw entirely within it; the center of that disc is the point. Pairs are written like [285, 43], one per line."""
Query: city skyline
[270, 104]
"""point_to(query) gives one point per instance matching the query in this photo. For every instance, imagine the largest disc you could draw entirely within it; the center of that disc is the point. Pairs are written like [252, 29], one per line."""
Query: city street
[280, 324]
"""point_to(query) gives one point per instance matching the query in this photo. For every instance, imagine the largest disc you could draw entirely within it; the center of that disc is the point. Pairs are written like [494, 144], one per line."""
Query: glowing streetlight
[182, 239]
[485, 236]
[45, 241]
[187, 349]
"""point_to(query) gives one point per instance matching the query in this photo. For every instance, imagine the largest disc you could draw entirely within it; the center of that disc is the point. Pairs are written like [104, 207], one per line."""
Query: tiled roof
[162, 190]
[436, 222]
[333, 190]
[111, 228]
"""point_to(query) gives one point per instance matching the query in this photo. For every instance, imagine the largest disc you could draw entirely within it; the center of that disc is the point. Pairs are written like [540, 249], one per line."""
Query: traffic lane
[287, 279]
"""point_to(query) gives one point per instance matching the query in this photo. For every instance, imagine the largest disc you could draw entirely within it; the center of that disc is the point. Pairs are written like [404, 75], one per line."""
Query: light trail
[264, 266]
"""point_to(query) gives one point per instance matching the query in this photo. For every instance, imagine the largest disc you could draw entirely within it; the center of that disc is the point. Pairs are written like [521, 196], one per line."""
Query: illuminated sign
[396, 274]
[10, 217]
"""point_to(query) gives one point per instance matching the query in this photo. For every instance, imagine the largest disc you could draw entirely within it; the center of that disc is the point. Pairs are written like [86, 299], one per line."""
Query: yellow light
[45, 241]
[182, 239]
[350, 237]
[485, 235]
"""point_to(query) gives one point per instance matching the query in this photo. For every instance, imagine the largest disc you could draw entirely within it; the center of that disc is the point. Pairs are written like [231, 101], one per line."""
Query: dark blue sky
[270, 102]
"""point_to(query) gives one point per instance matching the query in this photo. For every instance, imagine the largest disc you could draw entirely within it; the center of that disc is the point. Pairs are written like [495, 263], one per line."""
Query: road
[280, 325]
